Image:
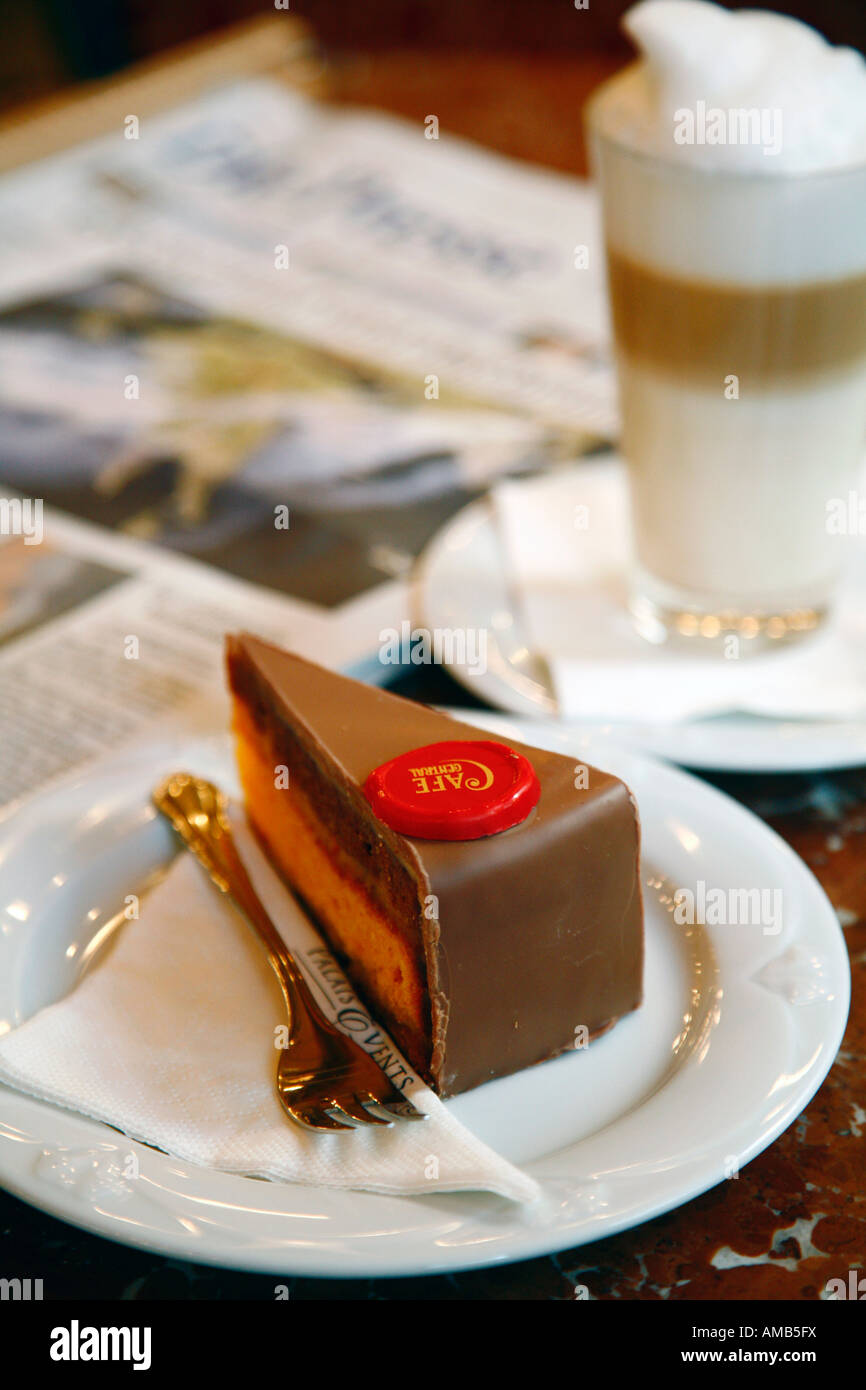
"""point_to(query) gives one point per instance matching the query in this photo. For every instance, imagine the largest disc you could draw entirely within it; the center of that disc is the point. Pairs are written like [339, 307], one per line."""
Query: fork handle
[198, 812]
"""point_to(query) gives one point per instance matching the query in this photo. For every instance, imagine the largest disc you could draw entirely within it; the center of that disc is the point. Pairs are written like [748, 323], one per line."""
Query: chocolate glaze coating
[539, 929]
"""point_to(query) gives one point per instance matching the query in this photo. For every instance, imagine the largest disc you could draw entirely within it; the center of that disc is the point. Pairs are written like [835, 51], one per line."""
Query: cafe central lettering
[440, 777]
[456, 789]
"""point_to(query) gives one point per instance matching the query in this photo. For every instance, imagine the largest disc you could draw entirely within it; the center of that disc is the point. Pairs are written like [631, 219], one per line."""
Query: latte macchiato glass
[738, 302]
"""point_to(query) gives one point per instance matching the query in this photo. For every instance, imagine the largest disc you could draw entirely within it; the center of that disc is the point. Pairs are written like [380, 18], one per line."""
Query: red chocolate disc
[458, 790]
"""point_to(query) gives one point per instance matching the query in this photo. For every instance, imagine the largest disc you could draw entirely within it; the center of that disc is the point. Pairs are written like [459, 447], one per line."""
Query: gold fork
[321, 1070]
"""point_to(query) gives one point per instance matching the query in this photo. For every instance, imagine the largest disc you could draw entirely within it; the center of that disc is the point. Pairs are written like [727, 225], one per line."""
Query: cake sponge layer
[386, 966]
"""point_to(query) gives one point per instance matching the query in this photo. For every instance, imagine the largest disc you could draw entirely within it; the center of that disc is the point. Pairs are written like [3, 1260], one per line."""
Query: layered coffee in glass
[737, 277]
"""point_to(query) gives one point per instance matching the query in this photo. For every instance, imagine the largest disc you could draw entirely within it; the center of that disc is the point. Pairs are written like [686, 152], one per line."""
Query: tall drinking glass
[739, 317]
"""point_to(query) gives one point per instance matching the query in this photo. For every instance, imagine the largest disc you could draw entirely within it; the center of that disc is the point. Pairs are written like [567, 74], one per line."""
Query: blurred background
[156, 257]
[509, 67]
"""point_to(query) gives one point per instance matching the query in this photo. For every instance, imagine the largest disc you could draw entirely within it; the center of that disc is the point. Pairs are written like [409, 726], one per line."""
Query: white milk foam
[789, 217]
[699, 58]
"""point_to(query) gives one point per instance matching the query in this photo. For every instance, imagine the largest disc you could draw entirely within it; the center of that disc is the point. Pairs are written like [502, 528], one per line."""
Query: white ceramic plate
[461, 582]
[736, 1033]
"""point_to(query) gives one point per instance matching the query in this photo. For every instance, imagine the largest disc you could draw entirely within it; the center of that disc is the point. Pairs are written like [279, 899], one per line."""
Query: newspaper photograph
[225, 341]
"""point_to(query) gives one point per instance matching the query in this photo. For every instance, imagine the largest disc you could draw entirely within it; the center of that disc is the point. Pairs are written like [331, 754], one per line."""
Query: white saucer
[736, 1033]
[461, 582]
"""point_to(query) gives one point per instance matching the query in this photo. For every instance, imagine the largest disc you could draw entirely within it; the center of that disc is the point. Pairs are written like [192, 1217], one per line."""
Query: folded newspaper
[252, 354]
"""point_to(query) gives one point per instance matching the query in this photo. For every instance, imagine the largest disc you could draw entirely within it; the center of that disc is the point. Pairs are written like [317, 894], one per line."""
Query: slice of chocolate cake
[484, 899]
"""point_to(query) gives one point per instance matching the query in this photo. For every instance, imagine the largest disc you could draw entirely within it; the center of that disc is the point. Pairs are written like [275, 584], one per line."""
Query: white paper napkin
[171, 1039]
[565, 545]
